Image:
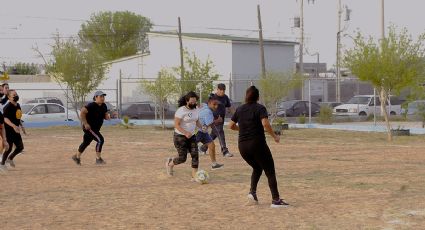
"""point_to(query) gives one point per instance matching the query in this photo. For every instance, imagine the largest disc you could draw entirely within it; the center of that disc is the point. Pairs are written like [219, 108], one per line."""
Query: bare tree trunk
[384, 97]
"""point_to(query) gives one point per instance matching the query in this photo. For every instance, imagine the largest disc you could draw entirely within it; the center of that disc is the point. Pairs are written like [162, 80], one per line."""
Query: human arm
[83, 117]
[3, 137]
[8, 122]
[23, 128]
[233, 126]
[269, 129]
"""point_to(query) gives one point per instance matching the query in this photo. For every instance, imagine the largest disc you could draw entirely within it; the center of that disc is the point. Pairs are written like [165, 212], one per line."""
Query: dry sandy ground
[333, 180]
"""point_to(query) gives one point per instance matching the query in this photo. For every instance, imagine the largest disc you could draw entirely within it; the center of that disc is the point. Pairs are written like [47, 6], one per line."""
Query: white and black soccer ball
[202, 177]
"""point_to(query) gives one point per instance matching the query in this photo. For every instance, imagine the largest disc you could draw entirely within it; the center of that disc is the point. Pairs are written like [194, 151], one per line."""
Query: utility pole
[301, 46]
[382, 19]
[301, 63]
[181, 51]
[338, 55]
[261, 42]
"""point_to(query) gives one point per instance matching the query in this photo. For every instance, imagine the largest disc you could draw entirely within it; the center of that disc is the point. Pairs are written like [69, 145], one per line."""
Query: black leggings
[13, 138]
[257, 154]
[185, 146]
[89, 136]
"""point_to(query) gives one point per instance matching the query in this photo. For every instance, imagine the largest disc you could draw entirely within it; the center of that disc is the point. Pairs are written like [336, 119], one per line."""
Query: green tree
[115, 34]
[390, 65]
[81, 70]
[197, 73]
[275, 86]
[22, 68]
[162, 90]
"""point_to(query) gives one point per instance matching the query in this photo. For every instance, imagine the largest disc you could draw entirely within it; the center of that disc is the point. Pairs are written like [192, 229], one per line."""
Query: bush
[325, 115]
[301, 120]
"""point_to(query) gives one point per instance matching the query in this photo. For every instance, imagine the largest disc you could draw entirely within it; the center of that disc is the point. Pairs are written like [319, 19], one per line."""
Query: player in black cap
[92, 116]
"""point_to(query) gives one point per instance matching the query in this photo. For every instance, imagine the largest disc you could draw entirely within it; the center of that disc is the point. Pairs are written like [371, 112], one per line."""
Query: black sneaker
[252, 199]
[100, 161]
[76, 160]
[227, 154]
[217, 166]
[279, 204]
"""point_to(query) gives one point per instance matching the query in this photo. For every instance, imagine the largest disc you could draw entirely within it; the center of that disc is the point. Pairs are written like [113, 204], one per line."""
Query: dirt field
[334, 180]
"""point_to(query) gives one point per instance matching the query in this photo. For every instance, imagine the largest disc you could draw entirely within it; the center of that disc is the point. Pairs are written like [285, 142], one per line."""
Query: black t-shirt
[13, 113]
[1, 118]
[96, 115]
[248, 117]
[4, 100]
[224, 102]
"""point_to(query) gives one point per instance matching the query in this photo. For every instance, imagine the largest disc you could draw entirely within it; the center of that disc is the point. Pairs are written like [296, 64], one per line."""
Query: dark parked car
[297, 108]
[144, 110]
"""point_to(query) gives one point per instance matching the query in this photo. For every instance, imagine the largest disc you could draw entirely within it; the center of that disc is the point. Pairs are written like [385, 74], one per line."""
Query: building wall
[247, 65]
[165, 53]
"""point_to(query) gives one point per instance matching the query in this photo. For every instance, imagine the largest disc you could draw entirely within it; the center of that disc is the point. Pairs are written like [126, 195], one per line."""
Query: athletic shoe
[3, 168]
[76, 160]
[10, 163]
[203, 148]
[100, 161]
[228, 154]
[279, 204]
[252, 199]
[168, 167]
[193, 180]
[217, 166]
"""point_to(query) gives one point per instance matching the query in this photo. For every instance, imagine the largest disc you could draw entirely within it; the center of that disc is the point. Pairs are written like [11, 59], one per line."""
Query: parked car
[414, 108]
[144, 110]
[54, 100]
[42, 112]
[297, 108]
[330, 104]
[363, 105]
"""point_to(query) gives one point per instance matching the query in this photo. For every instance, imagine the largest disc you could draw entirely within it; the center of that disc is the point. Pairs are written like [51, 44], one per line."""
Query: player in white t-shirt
[185, 123]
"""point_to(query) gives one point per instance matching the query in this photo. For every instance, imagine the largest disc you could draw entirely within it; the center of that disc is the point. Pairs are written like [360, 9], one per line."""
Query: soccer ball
[202, 177]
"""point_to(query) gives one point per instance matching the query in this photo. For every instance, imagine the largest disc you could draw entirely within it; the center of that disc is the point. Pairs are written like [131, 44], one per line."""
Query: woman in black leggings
[250, 120]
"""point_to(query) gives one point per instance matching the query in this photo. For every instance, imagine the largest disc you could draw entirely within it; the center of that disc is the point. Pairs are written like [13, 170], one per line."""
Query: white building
[236, 60]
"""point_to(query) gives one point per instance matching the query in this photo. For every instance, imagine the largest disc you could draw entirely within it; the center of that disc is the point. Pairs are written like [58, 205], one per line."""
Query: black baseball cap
[221, 86]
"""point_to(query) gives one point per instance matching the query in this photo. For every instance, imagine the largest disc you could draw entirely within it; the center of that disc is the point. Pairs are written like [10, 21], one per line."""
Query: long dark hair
[252, 95]
[185, 98]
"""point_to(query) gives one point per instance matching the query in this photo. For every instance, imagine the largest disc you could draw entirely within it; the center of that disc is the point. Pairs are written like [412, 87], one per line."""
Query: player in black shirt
[250, 120]
[92, 116]
[217, 129]
[12, 118]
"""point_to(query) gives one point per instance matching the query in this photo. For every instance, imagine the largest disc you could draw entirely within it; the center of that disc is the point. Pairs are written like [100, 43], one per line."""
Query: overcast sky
[27, 23]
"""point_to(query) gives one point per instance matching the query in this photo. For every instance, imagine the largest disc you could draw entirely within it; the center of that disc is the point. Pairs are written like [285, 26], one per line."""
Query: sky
[25, 24]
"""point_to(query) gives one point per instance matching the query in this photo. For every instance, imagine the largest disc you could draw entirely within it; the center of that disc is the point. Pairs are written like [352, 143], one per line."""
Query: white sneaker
[252, 199]
[10, 163]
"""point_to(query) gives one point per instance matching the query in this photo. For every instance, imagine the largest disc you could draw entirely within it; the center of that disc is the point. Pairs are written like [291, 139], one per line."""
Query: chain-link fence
[128, 91]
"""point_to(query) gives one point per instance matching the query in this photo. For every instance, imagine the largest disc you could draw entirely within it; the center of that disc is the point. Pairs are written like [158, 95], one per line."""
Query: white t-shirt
[188, 119]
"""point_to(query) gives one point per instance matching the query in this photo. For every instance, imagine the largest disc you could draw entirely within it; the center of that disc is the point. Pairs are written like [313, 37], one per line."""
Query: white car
[42, 112]
[363, 105]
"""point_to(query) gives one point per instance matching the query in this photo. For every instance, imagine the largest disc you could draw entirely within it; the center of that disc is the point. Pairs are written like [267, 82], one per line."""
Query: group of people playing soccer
[193, 124]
